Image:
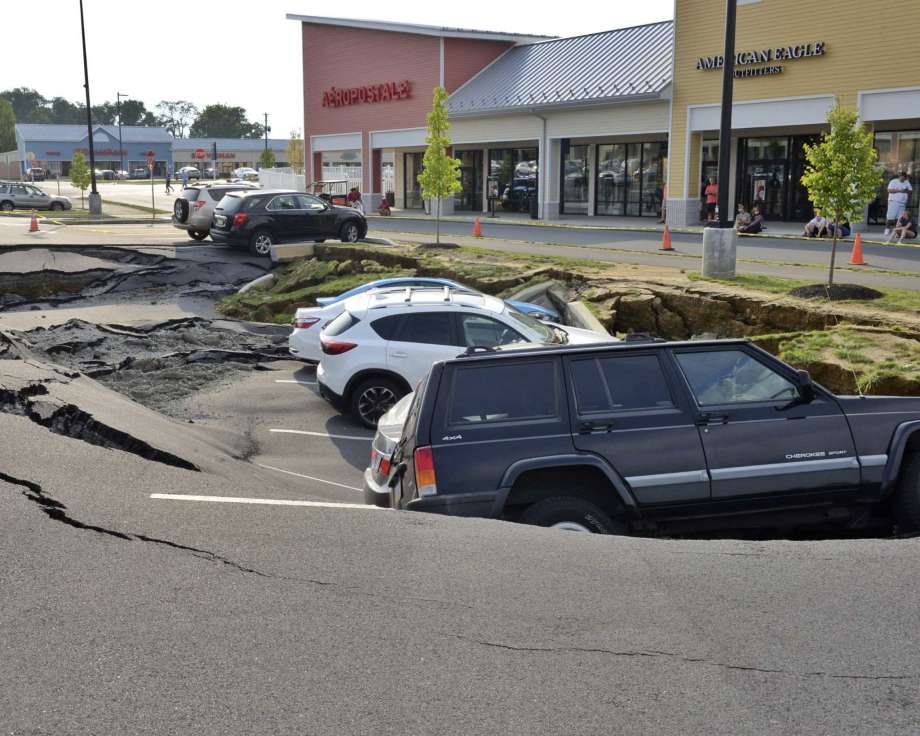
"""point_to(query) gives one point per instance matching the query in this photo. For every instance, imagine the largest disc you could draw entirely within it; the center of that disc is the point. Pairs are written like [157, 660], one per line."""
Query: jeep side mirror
[806, 387]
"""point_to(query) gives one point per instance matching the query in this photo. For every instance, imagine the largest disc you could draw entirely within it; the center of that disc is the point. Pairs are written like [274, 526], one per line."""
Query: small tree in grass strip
[440, 175]
[842, 175]
[79, 174]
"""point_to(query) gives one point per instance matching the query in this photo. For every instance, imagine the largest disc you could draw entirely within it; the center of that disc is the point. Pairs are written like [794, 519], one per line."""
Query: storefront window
[897, 151]
[630, 178]
[516, 170]
[411, 169]
[575, 180]
[469, 199]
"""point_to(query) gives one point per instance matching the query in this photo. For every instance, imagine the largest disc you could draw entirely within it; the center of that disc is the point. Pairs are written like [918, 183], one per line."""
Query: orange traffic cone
[856, 258]
[666, 240]
[477, 228]
[33, 226]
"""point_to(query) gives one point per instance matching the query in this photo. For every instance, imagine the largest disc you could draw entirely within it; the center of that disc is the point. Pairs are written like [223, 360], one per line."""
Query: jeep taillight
[199, 204]
[425, 481]
[305, 323]
[239, 218]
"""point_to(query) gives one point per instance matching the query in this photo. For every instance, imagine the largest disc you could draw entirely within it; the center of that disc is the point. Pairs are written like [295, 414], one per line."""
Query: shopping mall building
[617, 123]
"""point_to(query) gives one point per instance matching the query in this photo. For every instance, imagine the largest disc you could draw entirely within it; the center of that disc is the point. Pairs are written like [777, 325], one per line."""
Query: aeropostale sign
[764, 62]
[370, 93]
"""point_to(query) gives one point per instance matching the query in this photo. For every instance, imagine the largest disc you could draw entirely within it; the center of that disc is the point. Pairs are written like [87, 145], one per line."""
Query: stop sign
[200, 153]
[150, 159]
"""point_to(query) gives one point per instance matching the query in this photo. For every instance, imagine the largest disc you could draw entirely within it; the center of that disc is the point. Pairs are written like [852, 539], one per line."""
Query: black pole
[89, 109]
[266, 130]
[725, 127]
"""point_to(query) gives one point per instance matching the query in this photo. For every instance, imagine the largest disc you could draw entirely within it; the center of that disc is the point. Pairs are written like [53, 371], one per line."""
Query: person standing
[185, 180]
[712, 197]
[899, 191]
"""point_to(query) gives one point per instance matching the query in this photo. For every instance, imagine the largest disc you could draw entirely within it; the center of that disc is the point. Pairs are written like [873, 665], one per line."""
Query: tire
[197, 234]
[571, 513]
[906, 507]
[350, 232]
[180, 209]
[260, 244]
[6, 206]
[320, 240]
[56, 207]
[373, 397]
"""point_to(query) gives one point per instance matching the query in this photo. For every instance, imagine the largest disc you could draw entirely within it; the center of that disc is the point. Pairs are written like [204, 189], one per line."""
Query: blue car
[526, 307]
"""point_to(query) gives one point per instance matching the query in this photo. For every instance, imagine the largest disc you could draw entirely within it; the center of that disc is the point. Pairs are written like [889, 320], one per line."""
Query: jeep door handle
[586, 427]
[707, 420]
[399, 355]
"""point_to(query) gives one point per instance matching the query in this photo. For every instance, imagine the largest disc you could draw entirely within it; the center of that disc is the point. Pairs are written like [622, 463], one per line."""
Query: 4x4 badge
[451, 437]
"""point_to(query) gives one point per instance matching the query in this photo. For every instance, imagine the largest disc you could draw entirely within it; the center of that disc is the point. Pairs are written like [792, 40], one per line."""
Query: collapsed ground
[872, 346]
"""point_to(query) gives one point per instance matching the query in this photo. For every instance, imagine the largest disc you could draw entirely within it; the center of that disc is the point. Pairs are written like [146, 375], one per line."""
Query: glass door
[764, 172]
[411, 169]
[575, 181]
[469, 199]
[611, 179]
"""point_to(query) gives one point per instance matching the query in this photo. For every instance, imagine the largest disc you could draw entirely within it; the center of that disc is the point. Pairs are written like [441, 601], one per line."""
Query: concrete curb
[266, 279]
[584, 318]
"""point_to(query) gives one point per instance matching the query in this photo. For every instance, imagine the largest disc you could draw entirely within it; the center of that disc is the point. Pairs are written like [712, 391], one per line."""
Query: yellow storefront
[794, 60]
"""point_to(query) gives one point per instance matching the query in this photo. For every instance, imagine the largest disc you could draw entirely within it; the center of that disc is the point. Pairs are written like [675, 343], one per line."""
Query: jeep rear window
[190, 194]
[504, 392]
[340, 324]
[620, 383]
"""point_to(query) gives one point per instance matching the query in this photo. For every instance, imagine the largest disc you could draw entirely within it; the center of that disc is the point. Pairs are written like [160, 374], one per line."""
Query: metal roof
[417, 29]
[77, 133]
[625, 64]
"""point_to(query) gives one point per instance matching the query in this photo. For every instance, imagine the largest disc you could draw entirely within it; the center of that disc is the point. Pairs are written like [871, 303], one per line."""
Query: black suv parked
[652, 437]
[259, 218]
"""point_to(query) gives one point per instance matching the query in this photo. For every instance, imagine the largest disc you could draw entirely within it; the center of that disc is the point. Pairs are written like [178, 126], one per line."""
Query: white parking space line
[263, 501]
[310, 477]
[322, 434]
[299, 383]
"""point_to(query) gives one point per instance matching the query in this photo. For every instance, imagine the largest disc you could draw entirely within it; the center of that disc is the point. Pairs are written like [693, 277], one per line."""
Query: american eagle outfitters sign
[764, 62]
[384, 92]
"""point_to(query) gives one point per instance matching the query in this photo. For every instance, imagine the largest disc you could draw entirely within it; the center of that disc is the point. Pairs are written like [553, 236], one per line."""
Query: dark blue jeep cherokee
[654, 437]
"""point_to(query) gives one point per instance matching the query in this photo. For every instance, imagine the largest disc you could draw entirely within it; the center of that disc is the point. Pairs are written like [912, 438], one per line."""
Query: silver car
[193, 209]
[18, 195]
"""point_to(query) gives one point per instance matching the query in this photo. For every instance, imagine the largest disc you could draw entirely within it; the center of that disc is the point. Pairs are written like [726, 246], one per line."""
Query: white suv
[385, 341]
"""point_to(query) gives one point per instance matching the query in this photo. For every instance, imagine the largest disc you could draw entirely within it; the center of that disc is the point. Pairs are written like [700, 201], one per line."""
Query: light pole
[121, 151]
[95, 201]
[720, 243]
[267, 129]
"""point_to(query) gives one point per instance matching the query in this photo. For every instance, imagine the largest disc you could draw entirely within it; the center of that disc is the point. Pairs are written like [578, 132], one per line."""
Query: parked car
[193, 209]
[389, 430]
[652, 437]
[36, 173]
[189, 171]
[304, 343]
[17, 195]
[140, 172]
[385, 341]
[104, 174]
[121, 174]
[258, 219]
[246, 173]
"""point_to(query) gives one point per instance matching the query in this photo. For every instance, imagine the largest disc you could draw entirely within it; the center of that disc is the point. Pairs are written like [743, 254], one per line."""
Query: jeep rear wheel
[198, 234]
[569, 513]
[906, 506]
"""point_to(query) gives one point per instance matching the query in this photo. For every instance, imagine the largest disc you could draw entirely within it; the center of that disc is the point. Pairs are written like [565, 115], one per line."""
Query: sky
[211, 51]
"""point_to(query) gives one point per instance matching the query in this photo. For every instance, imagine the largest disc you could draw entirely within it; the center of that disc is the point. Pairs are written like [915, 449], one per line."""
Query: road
[256, 595]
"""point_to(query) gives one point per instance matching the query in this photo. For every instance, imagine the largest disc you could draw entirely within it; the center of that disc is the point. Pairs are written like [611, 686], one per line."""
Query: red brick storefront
[361, 77]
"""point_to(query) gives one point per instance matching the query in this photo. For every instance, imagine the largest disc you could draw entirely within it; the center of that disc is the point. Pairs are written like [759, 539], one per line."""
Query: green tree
[267, 159]
[440, 175]
[7, 126]
[175, 116]
[64, 111]
[132, 112]
[79, 174]
[842, 175]
[295, 153]
[28, 105]
[223, 121]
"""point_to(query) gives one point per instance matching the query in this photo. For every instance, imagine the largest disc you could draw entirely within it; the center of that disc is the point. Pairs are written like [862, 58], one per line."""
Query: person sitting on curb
[755, 225]
[845, 229]
[742, 219]
[904, 227]
[817, 226]
[384, 207]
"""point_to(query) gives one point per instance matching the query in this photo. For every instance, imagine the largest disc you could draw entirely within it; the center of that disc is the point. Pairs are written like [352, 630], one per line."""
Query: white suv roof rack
[388, 296]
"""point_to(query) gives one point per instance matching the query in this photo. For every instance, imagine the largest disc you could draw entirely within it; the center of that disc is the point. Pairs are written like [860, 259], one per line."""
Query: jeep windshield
[545, 333]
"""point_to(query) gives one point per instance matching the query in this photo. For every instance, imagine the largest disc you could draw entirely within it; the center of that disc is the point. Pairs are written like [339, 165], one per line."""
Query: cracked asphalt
[127, 611]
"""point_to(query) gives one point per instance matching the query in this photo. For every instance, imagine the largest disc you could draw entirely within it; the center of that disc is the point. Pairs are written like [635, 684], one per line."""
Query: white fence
[283, 178]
